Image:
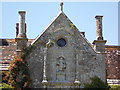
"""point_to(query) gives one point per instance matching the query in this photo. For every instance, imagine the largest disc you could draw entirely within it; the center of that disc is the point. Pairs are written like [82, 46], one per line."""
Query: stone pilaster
[44, 82]
[77, 82]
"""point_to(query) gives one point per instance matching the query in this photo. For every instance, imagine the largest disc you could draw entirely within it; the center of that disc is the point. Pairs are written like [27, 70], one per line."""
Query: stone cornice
[99, 41]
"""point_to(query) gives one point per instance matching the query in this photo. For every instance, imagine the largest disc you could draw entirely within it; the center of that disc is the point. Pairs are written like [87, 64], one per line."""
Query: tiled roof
[8, 47]
[8, 51]
[113, 62]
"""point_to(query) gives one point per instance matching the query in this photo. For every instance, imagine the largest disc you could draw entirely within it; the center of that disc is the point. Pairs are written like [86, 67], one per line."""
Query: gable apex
[61, 24]
[59, 14]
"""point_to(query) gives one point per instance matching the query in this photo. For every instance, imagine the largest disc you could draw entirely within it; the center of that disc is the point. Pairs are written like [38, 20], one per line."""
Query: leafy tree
[19, 74]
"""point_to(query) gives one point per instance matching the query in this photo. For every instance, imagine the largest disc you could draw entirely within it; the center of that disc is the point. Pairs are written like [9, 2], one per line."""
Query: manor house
[63, 57]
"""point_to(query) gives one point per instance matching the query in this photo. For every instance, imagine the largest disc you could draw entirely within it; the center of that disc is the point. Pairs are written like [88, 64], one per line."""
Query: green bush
[114, 87]
[5, 86]
[96, 83]
[18, 74]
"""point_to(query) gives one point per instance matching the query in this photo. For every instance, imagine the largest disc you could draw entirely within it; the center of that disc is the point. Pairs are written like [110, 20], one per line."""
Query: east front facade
[62, 56]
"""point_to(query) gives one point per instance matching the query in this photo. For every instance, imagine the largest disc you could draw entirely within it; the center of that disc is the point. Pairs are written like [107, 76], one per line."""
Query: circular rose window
[61, 42]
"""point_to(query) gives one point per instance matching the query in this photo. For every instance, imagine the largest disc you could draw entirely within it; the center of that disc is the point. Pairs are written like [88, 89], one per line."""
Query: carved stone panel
[60, 69]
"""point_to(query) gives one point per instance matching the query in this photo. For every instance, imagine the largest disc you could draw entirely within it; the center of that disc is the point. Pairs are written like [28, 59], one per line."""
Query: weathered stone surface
[35, 63]
[76, 60]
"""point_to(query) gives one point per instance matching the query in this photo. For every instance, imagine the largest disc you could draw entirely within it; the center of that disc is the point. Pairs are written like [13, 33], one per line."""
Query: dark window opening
[3, 42]
[61, 42]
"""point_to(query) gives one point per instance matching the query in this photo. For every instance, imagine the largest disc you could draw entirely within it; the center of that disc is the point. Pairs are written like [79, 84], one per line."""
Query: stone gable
[74, 60]
[61, 56]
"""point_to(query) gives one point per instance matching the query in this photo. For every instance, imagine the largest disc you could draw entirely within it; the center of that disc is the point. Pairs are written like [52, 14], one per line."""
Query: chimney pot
[83, 34]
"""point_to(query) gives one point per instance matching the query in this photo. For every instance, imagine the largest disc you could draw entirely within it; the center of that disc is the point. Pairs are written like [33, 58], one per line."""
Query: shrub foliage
[5, 86]
[18, 73]
[96, 83]
[114, 87]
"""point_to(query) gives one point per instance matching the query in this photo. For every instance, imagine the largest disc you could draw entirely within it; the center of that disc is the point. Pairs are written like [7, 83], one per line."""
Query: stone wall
[35, 63]
[75, 61]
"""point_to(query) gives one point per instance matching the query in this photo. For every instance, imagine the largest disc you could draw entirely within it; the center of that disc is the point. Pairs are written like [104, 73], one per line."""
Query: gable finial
[61, 6]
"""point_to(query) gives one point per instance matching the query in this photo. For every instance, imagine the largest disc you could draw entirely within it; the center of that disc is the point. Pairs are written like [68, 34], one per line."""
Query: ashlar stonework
[62, 57]
[67, 66]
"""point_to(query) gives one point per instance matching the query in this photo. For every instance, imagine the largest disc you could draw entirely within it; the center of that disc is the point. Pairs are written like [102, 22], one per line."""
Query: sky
[40, 14]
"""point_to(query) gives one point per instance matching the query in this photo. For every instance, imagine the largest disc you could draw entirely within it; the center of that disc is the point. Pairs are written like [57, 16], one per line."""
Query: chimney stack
[83, 34]
[99, 35]
[21, 37]
[99, 43]
[17, 29]
[22, 32]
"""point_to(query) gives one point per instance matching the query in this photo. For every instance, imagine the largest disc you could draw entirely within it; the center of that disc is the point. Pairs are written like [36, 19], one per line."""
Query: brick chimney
[99, 43]
[21, 37]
